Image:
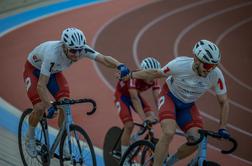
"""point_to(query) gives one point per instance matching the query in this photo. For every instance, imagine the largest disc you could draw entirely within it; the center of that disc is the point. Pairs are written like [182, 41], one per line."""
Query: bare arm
[149, 74]
[42, 89]
[155, 94]
[137, 103]
[107, 61]
[224, 104]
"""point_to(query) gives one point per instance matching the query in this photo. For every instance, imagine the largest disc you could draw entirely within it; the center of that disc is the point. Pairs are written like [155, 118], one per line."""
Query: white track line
[155, 21]
[206, 18]
[226, 32]
[46, 16]
[101, 30]
[135, 55]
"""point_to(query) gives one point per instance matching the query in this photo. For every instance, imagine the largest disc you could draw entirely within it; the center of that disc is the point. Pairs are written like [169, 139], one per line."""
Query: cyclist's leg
[30, 76]
[167, 116]
[123, 104]
[190, 126]
[59, 89]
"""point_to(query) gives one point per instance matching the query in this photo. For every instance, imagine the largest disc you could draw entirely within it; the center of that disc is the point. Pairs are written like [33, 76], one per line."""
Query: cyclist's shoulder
[181, 64]
[216, 73]
[182, 59]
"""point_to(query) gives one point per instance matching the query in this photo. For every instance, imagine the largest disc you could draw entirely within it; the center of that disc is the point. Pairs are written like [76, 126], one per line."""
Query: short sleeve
[89, 52]
[219, 83]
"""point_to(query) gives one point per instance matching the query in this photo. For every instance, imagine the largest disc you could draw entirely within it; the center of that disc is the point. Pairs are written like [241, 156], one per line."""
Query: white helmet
[73, 38]
[150, 63]
[207, 52]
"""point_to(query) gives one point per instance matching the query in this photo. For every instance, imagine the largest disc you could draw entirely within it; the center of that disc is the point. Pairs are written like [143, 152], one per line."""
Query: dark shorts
[57, 84]
[186, 114]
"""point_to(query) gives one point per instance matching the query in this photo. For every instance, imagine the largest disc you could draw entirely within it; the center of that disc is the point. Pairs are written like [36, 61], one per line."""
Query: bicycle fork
[69, 121]
[201, 154]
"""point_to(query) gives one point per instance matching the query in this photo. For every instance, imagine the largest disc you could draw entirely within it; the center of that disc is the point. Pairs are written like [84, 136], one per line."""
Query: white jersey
[50, 58]
[186, 85]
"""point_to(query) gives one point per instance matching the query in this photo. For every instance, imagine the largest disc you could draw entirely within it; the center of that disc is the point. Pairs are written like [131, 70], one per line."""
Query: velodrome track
[130, 31]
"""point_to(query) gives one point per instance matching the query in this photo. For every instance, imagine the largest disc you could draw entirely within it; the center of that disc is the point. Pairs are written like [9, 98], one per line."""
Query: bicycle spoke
[80, 150]
[39, 141]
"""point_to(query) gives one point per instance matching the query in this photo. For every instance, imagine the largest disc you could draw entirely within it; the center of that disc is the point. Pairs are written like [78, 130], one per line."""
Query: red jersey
[138, 84]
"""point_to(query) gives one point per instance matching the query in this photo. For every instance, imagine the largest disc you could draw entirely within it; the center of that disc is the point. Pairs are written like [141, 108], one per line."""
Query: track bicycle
[75, 146]
[112, 142]
[146, 155]
[201, 158]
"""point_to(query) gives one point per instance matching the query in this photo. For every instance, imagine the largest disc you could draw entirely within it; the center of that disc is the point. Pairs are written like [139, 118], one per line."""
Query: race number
[161, 102]
[118, 106]
[27, 83]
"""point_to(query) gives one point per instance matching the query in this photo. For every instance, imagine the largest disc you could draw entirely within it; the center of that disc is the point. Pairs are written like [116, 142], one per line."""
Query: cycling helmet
[150, 63]
[207, 52]
[73, 38]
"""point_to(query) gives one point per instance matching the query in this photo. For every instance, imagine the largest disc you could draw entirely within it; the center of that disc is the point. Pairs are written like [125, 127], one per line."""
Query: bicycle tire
[87, 142]
[210, 163]
[111, 136]
[20, 137]
[141, 147]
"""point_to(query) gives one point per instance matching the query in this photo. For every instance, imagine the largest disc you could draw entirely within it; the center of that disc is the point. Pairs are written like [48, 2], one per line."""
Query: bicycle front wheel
[42, 157]
[82, 151]
[139, 153]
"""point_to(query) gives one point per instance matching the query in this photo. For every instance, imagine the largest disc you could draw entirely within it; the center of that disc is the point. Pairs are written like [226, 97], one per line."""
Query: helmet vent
[206, 58]
[210, 46]
[209, 54]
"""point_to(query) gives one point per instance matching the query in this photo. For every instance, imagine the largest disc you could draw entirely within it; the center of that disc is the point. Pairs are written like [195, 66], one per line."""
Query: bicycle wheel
[81, 146]
[42, 157]
[210, 163]
[139, 153]
[111, 137]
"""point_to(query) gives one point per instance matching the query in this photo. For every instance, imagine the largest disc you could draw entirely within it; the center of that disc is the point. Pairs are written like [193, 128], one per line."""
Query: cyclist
[187, 79]
[43, 73]
[128, 97]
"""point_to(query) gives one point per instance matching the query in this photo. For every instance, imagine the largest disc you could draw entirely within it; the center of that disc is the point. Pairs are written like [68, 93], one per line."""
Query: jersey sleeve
[219, 83]
[89, 52]
[169, 67]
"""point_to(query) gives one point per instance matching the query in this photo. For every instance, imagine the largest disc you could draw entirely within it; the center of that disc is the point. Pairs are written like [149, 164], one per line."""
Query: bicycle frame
[149, 135]
[68, 120]
[201, 154]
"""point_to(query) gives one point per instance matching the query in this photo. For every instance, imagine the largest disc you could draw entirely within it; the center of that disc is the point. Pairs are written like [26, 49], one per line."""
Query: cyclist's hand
[147, 123]
[124, 71]
[152, 119]
[224, 133]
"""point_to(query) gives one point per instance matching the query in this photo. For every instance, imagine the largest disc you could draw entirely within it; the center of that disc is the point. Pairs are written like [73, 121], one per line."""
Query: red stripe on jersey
[166, 70]
[220, 83]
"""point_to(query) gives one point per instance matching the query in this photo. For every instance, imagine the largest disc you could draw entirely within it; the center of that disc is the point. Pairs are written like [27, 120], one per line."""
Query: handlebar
[145, 126]
[205, 133]
[77, 101]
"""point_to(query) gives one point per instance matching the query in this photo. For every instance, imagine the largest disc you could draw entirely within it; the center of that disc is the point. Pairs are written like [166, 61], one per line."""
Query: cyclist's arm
[224, 104]
[42, 89]
[148, 74]
[137, 103]
[107, 61]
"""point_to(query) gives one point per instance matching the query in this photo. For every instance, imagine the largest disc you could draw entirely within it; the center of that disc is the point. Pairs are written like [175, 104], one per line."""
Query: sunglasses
[73, 51]
[208, 66]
